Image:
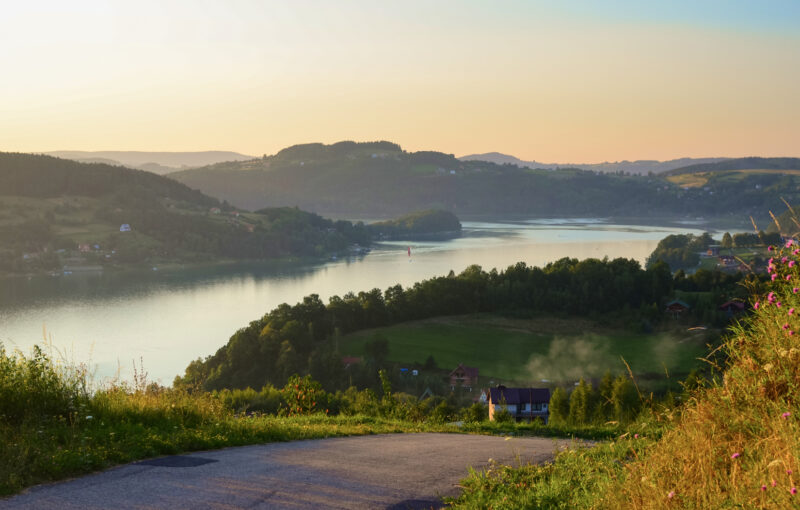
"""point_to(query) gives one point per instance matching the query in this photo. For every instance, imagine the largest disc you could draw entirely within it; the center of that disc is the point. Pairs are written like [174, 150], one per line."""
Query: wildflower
[783, 260]
[796, 252]
[791, 333]
[778, 304]
[771, 261]
[785, 325]
[770, 248]
[788, 471]
[636, 436]
[792, 263]
[796, 290]
[736, 455]
[763, 487]
[671, 495]
[789, 243]
[788, 277]
[774, 276]
[771, 297]
[793, 490]
[774, 483]
[756, 305]
[791, 311]
[786, 415]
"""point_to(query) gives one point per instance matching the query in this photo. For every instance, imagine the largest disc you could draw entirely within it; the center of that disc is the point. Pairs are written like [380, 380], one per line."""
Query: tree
[559, 406]
[727, 240]
[581, 403]
[625, 399]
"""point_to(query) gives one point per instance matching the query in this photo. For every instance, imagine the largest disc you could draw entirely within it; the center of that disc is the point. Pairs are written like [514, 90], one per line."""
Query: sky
[568, 81]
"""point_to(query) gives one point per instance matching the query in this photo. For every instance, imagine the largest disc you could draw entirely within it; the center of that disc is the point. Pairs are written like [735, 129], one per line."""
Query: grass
[52, 426]
[735, 444]
[699, 179]
[532, 350]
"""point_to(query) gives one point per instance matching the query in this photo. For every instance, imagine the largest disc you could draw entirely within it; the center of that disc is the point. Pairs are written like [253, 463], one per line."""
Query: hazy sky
[565, 81]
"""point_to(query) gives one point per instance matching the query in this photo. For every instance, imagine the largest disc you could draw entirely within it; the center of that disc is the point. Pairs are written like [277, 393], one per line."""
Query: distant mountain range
[156, 162]
[629, 167]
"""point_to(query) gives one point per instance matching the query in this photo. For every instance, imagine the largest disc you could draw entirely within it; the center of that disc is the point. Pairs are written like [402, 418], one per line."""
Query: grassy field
[699, 179]
[531, 350]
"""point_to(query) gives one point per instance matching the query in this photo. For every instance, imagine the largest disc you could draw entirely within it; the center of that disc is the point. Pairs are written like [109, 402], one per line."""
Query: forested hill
[380, 179]
[56, 212]
[752, 163]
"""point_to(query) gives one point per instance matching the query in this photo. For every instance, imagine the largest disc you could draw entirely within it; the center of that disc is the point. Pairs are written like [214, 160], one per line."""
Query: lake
[166, 318]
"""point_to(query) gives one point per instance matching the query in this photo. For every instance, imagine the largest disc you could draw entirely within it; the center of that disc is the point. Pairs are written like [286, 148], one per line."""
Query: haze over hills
[631, 167]
[380, 179]
[156, 162]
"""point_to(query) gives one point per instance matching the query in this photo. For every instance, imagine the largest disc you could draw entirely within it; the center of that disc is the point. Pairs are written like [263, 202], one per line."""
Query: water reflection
[169, 317]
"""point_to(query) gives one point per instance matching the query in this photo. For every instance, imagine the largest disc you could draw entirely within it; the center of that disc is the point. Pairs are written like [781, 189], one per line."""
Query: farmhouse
[466, 377]
[521, 403]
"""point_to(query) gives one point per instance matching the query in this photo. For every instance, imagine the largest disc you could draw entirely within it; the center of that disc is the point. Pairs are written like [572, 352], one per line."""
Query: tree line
[301, 339]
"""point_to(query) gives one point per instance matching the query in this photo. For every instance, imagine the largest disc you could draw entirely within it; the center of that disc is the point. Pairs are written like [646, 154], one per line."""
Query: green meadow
[531, 350]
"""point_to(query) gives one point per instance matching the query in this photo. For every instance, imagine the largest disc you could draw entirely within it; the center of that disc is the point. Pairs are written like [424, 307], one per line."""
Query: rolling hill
[380, 179]
[156, 162]
[56, 212]
[642, 167]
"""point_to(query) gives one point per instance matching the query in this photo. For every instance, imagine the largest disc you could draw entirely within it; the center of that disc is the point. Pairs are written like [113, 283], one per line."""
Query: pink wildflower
[791, 311]
[771, 297]
[756, 305]
[792, 263]
[778, 304]
[786, 415]
[793, 490]
[789, 243]
[785, 325]
[636, 436]
[774, 276]
[671, 495]
[796, 252]
[788, 471]
[771, 248]
[788, 277]
[771, 261]
[736, 455]
[796, 290]
[763, 487]
[791, 333]
[774, 483]
[784, 259]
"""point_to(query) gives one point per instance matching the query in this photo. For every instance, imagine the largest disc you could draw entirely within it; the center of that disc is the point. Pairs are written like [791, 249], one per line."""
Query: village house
[521, 403]
[732, 307]
[466, 377]
[677, 307]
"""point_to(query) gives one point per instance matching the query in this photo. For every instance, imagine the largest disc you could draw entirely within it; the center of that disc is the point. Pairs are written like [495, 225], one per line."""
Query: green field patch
[522, 352]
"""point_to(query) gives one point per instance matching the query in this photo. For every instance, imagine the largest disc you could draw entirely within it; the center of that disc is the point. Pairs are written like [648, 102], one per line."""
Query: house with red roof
[465, 377]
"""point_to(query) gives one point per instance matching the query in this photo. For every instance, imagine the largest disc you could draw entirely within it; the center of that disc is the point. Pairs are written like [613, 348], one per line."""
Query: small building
[84, 247]
[677, 307]
[727, 260]
[124, 228]
[521, 403]
[466, 377]
[732, 307]
[713, 250]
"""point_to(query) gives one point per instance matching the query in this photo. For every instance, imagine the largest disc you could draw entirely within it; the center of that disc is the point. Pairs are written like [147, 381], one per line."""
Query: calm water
[168, 318]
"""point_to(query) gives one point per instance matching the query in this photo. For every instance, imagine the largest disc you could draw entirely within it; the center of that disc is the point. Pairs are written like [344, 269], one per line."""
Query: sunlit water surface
[167, 318]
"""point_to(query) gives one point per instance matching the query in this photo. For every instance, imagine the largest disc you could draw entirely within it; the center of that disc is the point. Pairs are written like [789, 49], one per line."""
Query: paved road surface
[394, 471]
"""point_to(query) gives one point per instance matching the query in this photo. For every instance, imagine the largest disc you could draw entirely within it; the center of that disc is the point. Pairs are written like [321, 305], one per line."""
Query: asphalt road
[394, 471]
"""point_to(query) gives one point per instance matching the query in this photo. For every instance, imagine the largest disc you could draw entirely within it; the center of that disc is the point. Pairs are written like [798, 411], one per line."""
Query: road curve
[395, 471]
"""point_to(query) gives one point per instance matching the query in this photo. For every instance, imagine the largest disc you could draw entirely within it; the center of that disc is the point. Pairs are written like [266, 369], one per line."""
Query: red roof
[470, 372]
